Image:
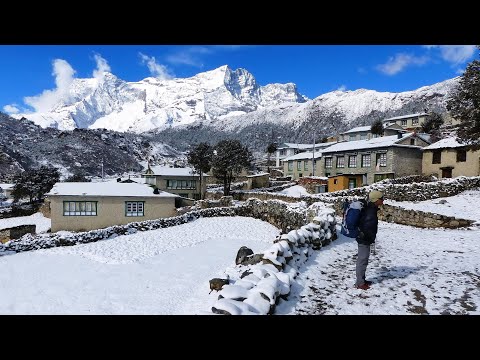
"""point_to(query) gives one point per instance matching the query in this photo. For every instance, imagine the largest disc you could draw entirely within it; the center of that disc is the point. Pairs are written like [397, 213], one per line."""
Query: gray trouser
[362, 262]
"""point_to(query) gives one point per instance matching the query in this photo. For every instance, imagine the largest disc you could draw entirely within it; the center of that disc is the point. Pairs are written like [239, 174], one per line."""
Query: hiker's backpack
[351, 217]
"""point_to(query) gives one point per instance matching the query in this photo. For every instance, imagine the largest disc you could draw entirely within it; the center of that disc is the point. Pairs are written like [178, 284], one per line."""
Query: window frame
[137, 212]
[461, 155]
[74, 213]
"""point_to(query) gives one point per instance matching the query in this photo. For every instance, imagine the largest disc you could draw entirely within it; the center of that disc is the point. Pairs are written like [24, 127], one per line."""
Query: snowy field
[43, 224]
[166, 271]
[163, 271]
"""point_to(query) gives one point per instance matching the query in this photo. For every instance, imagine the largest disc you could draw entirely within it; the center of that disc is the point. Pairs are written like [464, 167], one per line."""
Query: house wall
[409, 125]
[161, 183]
[342, 182]
[255, 182]
[400, 162]
[295, 174]
[110, 211]
[449, 158]
[406, 161]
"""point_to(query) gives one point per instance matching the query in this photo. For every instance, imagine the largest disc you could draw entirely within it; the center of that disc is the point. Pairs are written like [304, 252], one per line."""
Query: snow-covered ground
[163, 271]
[43, 224]
[296, 190]
[166, 271]
[463, 205]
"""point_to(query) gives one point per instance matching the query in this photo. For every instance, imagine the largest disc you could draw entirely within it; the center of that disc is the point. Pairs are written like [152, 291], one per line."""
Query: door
[446, 173]
[352, 183]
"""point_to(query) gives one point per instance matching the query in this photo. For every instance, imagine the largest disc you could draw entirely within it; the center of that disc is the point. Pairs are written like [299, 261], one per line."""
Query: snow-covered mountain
[111, 103]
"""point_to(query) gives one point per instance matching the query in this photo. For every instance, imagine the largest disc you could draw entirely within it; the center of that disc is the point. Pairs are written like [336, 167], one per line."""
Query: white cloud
[399, 62]
[460, 71]
[63, 73]
[158, 70]
[454, 54]
[189, 56]
[11, 109]
[102, 66]
[342, 88]
[457, 54]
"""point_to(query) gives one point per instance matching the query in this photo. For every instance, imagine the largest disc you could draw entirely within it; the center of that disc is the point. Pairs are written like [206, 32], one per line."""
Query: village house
[410, 122]
[6, 190]
[288, 149]
[299, 165]
[83, 206]
[352, 164]
[181, 181]
[447, 158]
[365, 132]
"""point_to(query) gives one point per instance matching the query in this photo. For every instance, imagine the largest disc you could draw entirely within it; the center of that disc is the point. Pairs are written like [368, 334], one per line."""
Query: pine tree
[271, 148]
[432, 126]
[377, 127]
[464, 105]
[229, 158]
[200, 157]
[35, 183]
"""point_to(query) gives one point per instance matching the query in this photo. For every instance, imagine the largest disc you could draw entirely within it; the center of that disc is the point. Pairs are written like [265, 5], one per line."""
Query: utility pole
[313, 155]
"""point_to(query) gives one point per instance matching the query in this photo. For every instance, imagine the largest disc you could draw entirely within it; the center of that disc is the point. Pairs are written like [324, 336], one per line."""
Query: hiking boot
[363, 286]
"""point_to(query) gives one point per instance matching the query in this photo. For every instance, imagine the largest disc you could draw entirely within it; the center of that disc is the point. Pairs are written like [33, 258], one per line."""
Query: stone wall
[16, 232]
[258, 282]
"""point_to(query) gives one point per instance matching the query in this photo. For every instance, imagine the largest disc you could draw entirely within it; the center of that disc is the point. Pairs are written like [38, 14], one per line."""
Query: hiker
[367, 232]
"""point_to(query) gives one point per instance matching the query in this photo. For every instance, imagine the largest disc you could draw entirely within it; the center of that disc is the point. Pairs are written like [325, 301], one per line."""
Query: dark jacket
[368, 224]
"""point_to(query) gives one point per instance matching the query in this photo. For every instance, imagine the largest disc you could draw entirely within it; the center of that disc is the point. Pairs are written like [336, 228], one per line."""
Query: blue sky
[32, 70]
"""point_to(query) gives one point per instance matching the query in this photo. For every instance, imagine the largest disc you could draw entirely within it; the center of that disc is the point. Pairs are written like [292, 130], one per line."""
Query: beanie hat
[375, 195]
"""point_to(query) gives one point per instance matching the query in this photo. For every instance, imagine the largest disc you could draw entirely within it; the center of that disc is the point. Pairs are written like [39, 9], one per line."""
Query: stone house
[364, 162]
[410, 122]
[365, 133]
[181, 181]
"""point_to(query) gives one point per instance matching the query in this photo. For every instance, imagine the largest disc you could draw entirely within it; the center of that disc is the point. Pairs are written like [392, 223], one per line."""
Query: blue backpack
[351, 217]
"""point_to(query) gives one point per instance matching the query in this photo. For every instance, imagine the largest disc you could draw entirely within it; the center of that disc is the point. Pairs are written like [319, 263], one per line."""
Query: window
[340, 161]
[382, 159]
[412, 141]
[282, 152]
[335, 181]
[300, 174]
[196, 196]
[305, 165]
[328, 162]
[321, 189]
[447, 172]
[134, 208]
[363, 136]
[404, 122]
[79, 208]
[150, 180]
[352, 161]
[415, 121]
[353, 137]
[299, 165]
[437, 157]
[181, 184]
[461, 155]
[366, 160]
[290, 166]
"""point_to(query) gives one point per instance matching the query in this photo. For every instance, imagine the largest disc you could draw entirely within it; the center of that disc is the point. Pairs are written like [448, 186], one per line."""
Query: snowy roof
[358, 129]
[304, 155]
[295, 146]
[166, 170]
[7, 186]
[105, 189]
[405, 116]
[258, 175]
[450, 142]
[383, 141]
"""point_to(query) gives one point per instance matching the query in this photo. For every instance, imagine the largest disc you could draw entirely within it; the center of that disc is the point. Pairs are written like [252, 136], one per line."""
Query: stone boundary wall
[274, 212]
[259, 281]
